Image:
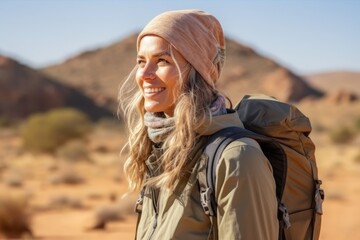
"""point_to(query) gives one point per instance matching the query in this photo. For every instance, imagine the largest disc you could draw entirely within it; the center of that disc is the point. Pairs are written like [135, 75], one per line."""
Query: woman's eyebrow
[156, 54]
[162, 53]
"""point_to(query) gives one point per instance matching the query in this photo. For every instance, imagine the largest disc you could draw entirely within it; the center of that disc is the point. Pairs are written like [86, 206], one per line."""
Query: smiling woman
[172, 111]
[159, 74]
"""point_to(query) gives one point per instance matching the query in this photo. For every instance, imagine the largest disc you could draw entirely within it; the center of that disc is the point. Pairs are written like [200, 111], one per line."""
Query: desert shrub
[335, 196]
[105, 214]
[357, 158]
[5, 122]
[127, 204]
[3, 165]
[94, 195]
[47, 131]
[113, 212]
[112, 124]
[342, 135]
[15, 220]
[64, 201]
[66, 176]
[102, 149]
[357, 124]
[318, 127]
[118, 177]
[13, 179]
[73, 150]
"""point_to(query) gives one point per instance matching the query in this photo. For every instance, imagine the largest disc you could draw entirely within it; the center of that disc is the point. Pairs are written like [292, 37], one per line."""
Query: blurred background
[62, 62]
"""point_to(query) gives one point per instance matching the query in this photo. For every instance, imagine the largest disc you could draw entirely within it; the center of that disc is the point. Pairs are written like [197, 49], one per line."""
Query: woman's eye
[163, 60]
[140, 62]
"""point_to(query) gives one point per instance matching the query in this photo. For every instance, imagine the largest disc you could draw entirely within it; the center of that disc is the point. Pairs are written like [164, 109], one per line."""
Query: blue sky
[308, 36]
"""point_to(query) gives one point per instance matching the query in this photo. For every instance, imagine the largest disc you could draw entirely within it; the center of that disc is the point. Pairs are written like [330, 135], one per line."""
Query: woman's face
[158, 76]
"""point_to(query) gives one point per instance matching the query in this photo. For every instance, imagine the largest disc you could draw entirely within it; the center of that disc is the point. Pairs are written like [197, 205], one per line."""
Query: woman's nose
[148, 72]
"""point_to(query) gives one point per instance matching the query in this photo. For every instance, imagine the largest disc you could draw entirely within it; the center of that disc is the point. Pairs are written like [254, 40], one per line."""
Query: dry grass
[113, 212]
[73, 151]
[105, 214]
[13, 178]
[15, 219]
[65, 201]
[94, 195]
[67, 175]
[357, 158]
[342, 135]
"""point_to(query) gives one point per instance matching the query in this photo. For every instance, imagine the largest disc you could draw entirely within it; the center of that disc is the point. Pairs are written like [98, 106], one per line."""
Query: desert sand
[34, 177]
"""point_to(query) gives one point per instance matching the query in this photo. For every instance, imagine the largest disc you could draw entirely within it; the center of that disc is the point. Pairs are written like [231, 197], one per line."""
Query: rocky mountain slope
[336, 80]
[24, 91]
[340, 86]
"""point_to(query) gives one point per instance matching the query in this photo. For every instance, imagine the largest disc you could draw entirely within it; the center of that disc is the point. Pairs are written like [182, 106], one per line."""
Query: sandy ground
[339, 168]
[341, 182]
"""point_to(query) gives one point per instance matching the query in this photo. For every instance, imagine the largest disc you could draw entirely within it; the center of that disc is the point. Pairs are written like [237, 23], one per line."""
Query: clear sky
[308, 36]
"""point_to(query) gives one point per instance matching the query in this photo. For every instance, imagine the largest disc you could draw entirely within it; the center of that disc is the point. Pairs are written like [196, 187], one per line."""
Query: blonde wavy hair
[192, 109]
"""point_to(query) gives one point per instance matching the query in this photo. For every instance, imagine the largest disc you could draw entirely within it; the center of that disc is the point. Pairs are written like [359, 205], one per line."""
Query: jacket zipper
[154, 195]
[154, 192]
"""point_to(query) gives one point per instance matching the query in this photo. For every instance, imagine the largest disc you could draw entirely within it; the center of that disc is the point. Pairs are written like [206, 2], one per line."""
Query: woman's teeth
[153, 90]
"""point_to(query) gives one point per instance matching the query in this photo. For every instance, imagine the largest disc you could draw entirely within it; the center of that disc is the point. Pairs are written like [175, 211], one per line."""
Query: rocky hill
[100, 72]
[340, 86]
[336, 81]
[246, 71]
[24, 91]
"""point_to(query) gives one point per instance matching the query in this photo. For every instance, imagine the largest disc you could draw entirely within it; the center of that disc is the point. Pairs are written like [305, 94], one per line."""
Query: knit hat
[196, 35]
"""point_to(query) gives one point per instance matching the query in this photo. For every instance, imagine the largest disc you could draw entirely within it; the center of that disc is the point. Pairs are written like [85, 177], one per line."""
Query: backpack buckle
[284, 216]
[205, 198]
[139, 204]
[319, 199]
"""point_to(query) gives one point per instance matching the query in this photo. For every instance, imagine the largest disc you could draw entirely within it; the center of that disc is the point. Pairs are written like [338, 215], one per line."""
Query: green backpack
[282, 132]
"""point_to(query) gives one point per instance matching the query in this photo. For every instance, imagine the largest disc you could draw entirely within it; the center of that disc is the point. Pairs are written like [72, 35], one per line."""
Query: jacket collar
[216, 123]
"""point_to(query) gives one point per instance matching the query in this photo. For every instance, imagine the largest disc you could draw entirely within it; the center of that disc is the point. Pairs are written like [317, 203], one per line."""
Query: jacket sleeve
[245, 194]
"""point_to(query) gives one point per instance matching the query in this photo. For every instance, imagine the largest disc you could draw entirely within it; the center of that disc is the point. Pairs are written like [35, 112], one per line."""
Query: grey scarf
[159, 126]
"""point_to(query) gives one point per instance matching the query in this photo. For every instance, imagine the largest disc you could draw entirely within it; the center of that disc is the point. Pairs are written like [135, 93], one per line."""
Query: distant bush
[357, 124]
[67, 176]
[110, 123]
[48, 131]
[13, 179]
[113, 212]
[318, 127]
[64, 201]
[74, 150]
[15, 219]
[5, 122]
[357, 158]
[105, 214]
[342, 135]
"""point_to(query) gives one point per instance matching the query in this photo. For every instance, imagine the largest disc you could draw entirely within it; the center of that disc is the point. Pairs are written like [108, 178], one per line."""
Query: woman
[175, 108]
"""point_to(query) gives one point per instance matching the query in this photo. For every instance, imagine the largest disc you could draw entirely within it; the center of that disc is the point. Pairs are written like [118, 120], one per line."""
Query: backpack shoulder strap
[207, 170]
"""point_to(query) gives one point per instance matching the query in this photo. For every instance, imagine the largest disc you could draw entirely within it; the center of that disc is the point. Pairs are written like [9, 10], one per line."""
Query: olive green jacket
[245, 196]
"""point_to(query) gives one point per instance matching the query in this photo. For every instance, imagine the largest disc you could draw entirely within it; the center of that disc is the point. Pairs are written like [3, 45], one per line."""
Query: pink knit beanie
[197, 35]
